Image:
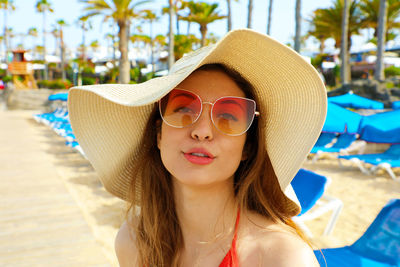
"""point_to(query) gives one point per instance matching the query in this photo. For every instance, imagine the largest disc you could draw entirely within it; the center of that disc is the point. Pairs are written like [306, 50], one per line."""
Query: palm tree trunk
[6, 41]
[171, 57]
[152, 47]
[298, 27]
[229, 15]
[250, 12]
[379, 65]
[63, 76]
[124, 66]
[188, 27]
[203, 31]
[344, 70]
[46, 67]
[321, 46]
[177, 24]
[83, 43]
[269, 17]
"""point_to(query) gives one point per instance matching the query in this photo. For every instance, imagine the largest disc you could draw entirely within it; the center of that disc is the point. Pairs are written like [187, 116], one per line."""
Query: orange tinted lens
[233, 115]
[180, 108]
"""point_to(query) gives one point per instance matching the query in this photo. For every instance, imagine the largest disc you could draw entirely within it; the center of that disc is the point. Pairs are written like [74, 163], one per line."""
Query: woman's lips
[199, 156]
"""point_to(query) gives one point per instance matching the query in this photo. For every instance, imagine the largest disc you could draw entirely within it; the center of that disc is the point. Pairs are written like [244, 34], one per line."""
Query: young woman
[205, 155]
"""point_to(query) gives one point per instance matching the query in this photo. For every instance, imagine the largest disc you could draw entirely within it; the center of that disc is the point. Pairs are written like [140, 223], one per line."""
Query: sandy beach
[363, 195]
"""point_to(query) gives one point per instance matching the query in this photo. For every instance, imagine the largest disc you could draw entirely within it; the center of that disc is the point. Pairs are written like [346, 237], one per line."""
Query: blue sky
[282, 29]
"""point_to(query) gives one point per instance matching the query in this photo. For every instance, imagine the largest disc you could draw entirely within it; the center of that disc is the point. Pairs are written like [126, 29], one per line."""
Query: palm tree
[203, 14]
[344, 70]
[250, 14]
[61, 23]
[269, 17]
[10, 35]
[22, 37]
[44, 6]
[1, 47]
[379, 65]
[177, 5]
[327, 22]
[85, 25]
[56, 34]
[94, 45]
[370, 14]
[112, 44]
[149, 16]
[298, 26]
[38, 49]
[228, 3]
[33, 33]
[121, 12]
[171, 58]
[6, 5]
[184, 44]
[321, 35]
[160, 42]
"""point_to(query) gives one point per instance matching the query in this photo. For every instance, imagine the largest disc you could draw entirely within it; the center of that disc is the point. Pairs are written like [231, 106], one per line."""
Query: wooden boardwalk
[40, 223]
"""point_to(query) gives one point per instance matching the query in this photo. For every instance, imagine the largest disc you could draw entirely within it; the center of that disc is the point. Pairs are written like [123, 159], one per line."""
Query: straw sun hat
[109, 120]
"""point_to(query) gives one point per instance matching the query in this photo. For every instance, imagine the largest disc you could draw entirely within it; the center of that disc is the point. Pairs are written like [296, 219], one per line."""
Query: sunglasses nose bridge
[205, 110]
[202, 128]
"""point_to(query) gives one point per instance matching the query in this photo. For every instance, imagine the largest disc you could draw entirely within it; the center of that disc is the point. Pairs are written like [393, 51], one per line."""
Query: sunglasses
[231, 115]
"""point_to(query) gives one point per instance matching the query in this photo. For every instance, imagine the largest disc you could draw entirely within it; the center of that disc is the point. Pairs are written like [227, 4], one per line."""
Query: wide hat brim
[109, 120]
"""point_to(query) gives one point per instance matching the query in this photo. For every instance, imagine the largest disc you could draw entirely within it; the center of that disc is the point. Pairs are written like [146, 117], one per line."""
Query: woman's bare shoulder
[125, 246]
[273, 245]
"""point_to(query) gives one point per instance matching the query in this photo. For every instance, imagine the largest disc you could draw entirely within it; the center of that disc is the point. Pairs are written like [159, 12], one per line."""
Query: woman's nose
[203, 128]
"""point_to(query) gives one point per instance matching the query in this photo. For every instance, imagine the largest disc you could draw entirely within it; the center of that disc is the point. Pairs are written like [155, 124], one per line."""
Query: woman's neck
[206, 214]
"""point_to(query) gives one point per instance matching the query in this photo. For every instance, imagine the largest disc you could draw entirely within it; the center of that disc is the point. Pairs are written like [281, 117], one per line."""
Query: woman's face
[183, 149]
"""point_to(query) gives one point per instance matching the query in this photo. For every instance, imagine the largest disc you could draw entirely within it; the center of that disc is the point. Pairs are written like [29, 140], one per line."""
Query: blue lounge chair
[379, 246]
[386, 160]
[341, 145]
[310, 191]
[325, 139]
[396, 105]
[351, 100]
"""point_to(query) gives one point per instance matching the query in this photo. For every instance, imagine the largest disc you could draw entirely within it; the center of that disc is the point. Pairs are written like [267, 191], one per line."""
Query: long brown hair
[158, 234]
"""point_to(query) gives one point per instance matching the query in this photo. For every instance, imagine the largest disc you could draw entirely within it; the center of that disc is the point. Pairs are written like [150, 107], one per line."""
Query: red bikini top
[231, 258]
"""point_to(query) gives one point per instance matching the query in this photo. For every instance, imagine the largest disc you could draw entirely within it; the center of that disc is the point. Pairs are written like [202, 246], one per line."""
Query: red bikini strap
[236, 230]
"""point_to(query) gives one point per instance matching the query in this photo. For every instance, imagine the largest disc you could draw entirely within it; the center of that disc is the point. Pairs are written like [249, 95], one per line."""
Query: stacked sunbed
[58, 120]
[346, 132]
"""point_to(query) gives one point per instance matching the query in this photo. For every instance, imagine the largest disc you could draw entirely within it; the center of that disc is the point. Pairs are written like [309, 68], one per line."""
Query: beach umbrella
[341, 120]
[381, 127]
[58, 96]
[351, 100]
[396, 105]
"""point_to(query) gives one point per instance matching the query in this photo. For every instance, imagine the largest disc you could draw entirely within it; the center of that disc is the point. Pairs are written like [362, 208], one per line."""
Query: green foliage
[7, 78]
[88, 70]
[184, 44]
[147, 76]
[110, 76]
[326, 23]
[43, 83]
[203, 14]
[88, 80]
[52, 65]
[336, 71]
[370, 15]
[56, 84]
[389, 85]
[317, 60]
[392, 71]
[135, 74]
